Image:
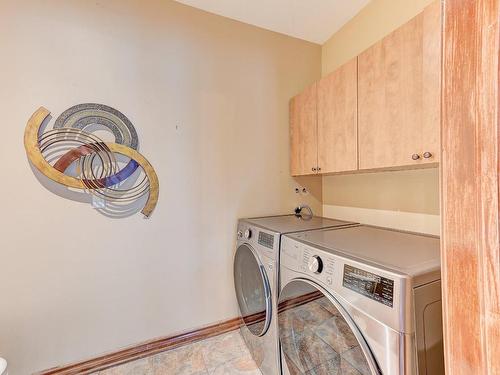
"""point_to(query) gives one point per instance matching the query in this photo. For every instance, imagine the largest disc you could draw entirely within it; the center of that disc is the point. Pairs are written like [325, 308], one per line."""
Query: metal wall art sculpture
[71, 142]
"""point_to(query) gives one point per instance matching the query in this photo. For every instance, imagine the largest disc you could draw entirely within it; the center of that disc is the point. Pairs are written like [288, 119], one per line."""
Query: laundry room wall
[209, 98]
[407, 200]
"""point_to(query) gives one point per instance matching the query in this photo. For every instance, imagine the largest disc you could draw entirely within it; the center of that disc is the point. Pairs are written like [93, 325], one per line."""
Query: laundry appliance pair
[323, 296]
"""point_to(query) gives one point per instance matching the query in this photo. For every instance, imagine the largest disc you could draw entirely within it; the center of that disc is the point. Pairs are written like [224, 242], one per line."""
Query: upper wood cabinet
[399, 95]
[381, 110]
[304, 132]
[337, 120]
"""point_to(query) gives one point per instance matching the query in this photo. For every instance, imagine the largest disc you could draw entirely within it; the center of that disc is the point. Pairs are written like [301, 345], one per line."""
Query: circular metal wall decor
[81, 116]
[71, 142]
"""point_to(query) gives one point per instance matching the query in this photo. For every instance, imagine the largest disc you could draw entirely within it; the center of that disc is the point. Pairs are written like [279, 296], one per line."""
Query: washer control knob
[248, 233]
[240, 234]
[315, 264]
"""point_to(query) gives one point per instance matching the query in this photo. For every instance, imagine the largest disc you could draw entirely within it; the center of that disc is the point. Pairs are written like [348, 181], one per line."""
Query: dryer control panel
[264, 242]
[266, 239]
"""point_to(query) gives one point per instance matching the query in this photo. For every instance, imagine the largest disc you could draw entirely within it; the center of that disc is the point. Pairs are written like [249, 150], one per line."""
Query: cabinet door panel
[303, 132]
[337, 120]
[399, 91]
[431, 124]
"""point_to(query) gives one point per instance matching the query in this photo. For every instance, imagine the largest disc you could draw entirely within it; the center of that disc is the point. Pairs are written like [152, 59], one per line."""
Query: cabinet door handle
[427, 155]
[415, 156]
[319, 168]
[313, 169]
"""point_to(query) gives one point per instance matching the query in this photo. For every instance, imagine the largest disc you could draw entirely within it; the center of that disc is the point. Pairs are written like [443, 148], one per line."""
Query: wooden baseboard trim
[144, 349]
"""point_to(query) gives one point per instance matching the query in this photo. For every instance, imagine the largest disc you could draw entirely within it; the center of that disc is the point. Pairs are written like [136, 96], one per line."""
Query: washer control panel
[368, 284]
[380, 293]
[306, 259]
[333, 270]
[315, 264]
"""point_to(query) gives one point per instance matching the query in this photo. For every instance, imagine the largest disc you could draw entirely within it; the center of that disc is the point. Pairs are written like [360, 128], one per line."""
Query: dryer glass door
[252, 290]
[317, 336]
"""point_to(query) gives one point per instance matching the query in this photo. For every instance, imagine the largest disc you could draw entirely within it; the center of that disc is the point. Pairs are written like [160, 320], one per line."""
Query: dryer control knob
[315, 264]
[248, 233]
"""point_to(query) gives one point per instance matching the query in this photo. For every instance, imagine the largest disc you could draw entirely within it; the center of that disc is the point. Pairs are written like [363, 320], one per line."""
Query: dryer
[256, 280]
[360, 300]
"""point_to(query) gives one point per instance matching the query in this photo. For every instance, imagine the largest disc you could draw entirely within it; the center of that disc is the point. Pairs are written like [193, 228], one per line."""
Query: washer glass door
[317, 336]
[252, 290]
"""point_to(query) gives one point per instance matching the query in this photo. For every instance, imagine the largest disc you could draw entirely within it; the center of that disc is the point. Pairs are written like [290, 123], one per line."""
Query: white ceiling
[312, 20]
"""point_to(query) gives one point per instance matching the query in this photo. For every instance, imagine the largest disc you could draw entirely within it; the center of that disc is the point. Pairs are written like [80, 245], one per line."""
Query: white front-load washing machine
[256, 263]
[360, 301]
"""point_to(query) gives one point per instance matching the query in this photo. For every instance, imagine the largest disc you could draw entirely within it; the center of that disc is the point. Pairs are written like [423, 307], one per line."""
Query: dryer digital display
[369, 284]
[266, 240]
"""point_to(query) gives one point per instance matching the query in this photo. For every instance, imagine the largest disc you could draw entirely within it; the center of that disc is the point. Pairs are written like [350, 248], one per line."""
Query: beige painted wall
[209, 98]
[409, 191]
[415, 191]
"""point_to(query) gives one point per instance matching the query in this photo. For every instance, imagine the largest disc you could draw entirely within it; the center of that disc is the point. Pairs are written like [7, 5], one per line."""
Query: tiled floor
[220, 355]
